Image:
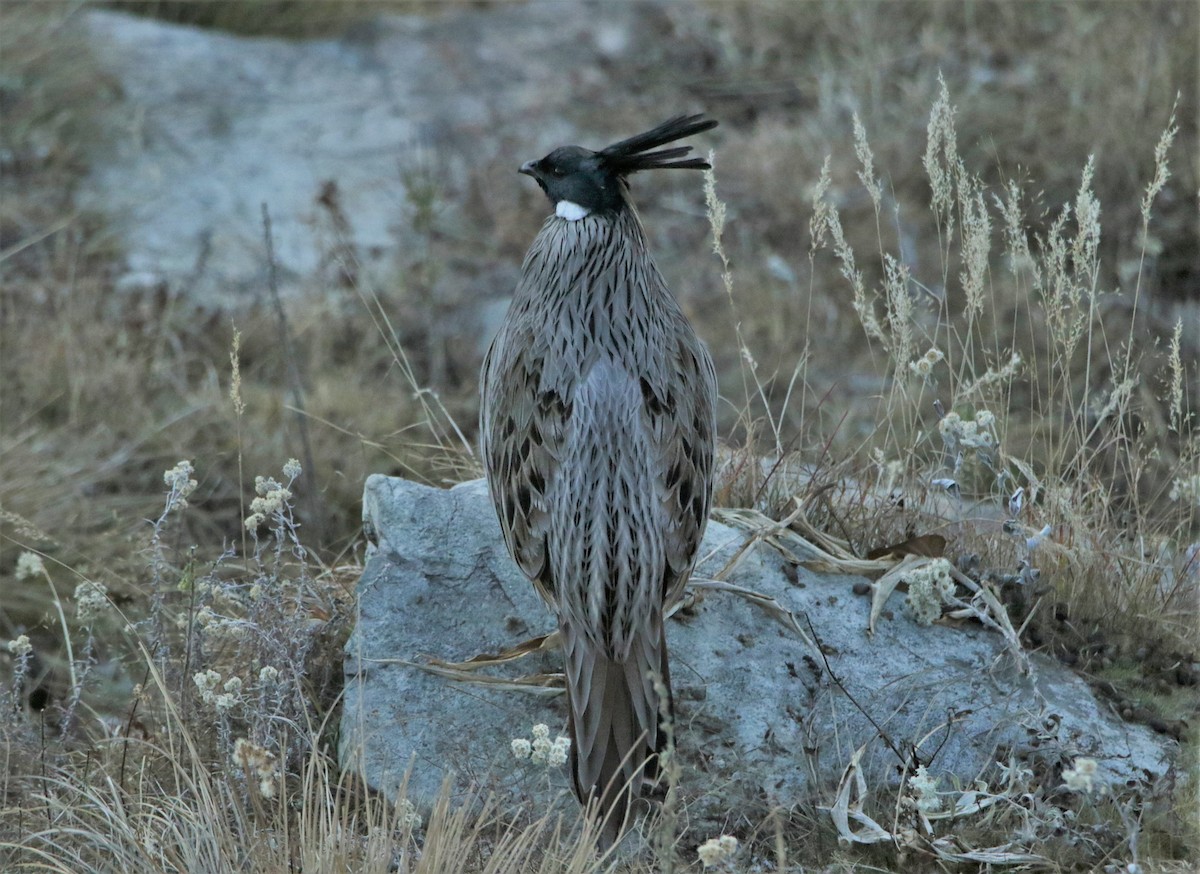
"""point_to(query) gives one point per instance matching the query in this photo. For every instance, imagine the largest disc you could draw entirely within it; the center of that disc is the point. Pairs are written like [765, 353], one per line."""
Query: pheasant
[597, 430]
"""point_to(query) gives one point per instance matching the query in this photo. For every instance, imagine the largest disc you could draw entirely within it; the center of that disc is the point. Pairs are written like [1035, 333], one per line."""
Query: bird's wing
[522, 426]
[680, 416]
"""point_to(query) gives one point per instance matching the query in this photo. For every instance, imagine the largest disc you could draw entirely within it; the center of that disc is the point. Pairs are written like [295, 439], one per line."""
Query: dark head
[581, 182]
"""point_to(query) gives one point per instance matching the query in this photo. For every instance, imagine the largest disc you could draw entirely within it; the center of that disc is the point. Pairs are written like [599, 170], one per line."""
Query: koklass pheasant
[597, 429]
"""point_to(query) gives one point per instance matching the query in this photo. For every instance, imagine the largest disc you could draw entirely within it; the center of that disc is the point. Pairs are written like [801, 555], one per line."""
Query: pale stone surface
[215, 125]
[760, 721]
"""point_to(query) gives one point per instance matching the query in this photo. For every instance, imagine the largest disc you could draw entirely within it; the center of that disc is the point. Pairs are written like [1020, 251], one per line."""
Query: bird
[597, 434]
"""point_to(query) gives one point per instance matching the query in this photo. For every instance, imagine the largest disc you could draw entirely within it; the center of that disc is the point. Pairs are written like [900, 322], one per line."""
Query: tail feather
[614, 721]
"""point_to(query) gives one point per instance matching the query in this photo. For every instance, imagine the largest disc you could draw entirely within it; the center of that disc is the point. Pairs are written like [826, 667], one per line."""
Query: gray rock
[760, 721]
[220, 124]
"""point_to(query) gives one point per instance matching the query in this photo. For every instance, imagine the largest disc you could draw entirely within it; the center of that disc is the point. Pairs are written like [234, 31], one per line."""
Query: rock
[760, 722]
[220, 124]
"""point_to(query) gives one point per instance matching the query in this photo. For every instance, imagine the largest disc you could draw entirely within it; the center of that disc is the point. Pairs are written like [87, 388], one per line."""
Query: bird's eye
[557, 172]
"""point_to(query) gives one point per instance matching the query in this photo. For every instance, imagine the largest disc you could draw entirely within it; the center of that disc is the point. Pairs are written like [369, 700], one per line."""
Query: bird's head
[580, 182]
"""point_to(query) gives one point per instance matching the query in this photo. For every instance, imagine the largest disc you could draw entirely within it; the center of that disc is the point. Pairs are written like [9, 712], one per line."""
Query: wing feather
[680, 417]
[522, 426]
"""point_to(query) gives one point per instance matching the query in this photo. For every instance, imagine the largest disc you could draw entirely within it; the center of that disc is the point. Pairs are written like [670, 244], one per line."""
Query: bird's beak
[527, 169]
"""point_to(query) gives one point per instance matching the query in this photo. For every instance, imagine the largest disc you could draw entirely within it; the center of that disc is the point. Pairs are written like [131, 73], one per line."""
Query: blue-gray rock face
[215, 125]
[760, 722]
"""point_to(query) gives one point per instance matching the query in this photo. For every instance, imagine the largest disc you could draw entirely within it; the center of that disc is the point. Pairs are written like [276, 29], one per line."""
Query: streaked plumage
[597, 431]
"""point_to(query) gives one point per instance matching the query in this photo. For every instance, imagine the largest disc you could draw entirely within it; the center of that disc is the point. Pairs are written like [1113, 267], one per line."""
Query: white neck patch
[570, 211]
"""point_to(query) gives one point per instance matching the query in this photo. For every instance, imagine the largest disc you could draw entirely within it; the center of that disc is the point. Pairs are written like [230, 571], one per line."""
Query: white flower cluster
[91, 599]
[541, 750]
[716, 851]
[925, 791]
[29, 564]
[1081, 777]
[20, 646]
[977, 433]
[208, 682]
[218, 628]
[206, 616]
[256, 761]
[179, 480]
[924, 365]
[928, 587]
[1186, 489]
[272, 496]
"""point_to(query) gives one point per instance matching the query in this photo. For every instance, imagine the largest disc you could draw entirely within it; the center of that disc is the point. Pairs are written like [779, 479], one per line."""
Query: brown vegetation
[973, 229]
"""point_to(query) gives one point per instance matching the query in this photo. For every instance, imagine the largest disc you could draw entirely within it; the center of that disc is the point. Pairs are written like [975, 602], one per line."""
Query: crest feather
[634, 154]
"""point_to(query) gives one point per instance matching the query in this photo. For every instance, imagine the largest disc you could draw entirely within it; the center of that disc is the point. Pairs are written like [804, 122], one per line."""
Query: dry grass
[836, 281]
[165, 803]
[1067, 444]
[975, 230]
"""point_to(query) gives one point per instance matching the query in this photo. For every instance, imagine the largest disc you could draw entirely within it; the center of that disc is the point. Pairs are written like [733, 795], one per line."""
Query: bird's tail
[615, 721]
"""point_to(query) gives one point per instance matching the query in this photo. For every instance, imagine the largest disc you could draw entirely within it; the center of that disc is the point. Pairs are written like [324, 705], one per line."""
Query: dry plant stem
[239, 408]
[668, 820]
[437, 418]
[133, 708]
[883, 735]
[1162, 172]
[313, 508]
[716, 218]
[66, 630]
